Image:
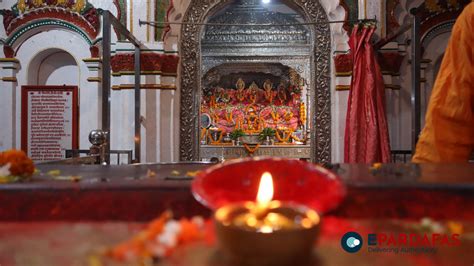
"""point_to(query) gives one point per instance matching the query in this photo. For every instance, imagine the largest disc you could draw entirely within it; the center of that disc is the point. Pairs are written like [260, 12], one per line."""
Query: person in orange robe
[448, 135]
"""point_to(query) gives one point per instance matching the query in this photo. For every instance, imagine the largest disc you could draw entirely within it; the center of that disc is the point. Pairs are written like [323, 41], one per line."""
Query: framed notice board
[49, 121]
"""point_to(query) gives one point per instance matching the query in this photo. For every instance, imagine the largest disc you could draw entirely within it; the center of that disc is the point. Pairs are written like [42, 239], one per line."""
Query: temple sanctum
[236, 132]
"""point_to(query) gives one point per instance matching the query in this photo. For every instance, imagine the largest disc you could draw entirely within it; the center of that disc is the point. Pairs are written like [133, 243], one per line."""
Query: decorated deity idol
[295, 87]
[268, 92]
[281, 94]
[254, 123]
[223, 96]
[296, 93]
[294, 80]
[240, 93]
[253, 93]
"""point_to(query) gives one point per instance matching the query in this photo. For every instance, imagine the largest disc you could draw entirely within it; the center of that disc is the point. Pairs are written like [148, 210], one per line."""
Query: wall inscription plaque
[49, 121]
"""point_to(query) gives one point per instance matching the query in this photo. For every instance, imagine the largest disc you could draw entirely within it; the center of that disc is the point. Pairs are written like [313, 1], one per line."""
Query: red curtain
[366, 137]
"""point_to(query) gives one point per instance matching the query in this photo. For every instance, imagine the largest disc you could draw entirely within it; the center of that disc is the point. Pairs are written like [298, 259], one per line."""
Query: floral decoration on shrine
[163, 63]
[25, 15]
[253, 110]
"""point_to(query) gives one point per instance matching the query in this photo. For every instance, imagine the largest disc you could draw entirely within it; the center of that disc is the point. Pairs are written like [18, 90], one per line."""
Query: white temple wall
[399, 101]
[105, 5]
[339, 99]
[152, 123]
[56, 67]
[73, 44]
[160, 108]
[122, 116]
[8, 95]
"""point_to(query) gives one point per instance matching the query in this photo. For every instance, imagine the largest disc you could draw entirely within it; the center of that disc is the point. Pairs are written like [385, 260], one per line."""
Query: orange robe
[448, 135]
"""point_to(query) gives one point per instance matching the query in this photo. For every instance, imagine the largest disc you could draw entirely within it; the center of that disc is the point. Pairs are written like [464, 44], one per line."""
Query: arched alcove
[53, 67]
[318, 67]
[37, 55]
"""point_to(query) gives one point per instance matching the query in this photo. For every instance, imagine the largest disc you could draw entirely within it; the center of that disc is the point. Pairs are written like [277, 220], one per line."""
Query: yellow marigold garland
[212, 102]
[288, 115]
[298, 139]
[302, 113]
[240, 96]
[251, 150]
[228, 116]
[281, 139]
[215, 117]
[275, 116]
[253, 98]
[203, 133]
[248, 107]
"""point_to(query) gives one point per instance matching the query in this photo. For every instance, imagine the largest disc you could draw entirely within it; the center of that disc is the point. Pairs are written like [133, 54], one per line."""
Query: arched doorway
[191, 74]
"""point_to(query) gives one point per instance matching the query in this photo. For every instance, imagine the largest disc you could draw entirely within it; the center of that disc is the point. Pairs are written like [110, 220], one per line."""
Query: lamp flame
[265, 189]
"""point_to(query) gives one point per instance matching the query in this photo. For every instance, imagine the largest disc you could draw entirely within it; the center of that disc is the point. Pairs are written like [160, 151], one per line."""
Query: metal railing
[401, 156]
[109, 21]
[119, 153]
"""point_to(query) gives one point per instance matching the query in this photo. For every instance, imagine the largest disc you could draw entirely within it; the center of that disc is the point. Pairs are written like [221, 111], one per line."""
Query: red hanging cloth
[366, 137]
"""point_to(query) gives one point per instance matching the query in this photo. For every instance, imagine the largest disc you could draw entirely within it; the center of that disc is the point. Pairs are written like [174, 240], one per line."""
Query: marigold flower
[20, 164]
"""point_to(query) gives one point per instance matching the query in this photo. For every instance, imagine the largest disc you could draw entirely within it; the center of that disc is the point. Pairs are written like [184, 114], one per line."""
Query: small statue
[268, 92]
[253, 93]
[281, 93]
[296, 93]
[223, 96]
[254, 123]
[294, 77]
[240, 93]
[252, 120]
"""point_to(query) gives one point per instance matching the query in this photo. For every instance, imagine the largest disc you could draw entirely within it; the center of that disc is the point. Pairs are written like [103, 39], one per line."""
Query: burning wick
[266, 215]
[266, 231]
[265, 189]
[264, 197]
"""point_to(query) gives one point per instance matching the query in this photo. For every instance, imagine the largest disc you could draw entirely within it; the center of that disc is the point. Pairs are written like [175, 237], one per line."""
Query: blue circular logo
[351, 242]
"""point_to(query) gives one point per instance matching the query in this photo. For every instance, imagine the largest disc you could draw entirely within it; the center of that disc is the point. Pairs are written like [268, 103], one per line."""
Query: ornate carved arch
[190, 75]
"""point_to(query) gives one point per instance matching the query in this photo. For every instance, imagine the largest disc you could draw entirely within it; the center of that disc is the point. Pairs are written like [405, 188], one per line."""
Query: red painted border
[24, 112]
